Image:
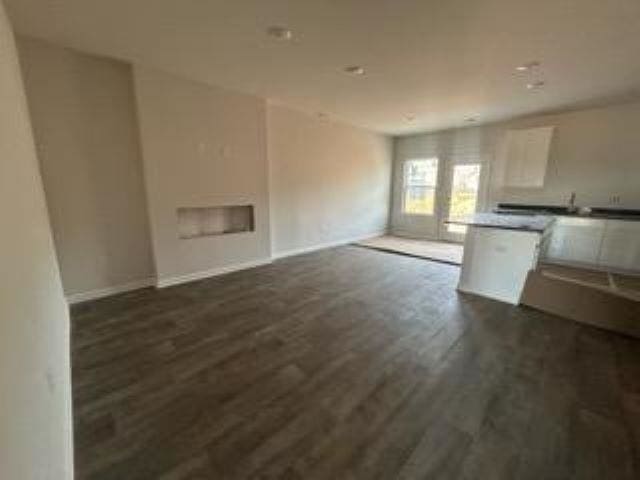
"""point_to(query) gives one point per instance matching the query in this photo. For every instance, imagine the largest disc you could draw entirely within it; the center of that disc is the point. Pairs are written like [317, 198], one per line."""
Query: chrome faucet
[572, 203]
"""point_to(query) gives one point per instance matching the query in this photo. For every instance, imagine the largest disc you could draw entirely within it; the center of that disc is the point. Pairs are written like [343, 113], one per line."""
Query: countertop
[527, 223]
[601, 213]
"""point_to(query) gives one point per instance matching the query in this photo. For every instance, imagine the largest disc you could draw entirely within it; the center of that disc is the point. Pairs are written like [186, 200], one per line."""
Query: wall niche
[195, 222]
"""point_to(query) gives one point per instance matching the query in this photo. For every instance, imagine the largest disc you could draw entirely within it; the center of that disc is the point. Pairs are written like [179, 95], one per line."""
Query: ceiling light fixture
[279, 32]
[535, 85]
[528, 66]
[355, 70]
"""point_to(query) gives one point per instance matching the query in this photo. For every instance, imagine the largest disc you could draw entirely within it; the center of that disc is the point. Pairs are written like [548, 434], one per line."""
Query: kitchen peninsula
[499, 251]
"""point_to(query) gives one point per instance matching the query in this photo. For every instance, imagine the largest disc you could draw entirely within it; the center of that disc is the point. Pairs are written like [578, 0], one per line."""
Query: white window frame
[405, 186]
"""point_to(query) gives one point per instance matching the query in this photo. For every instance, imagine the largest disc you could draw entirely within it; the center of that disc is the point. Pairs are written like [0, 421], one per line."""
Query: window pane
[419, 200]
[420, 180]
[422, 173]
[464, 193]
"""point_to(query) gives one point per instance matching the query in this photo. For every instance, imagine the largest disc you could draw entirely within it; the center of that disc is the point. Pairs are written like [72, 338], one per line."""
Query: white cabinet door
[576, 240]
[527, 155]
[621, 245]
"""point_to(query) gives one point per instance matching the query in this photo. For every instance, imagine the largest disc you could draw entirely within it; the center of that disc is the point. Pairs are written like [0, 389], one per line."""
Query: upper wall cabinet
[527, 153]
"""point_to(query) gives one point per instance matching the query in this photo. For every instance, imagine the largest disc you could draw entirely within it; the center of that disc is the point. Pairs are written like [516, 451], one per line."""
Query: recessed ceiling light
[528, 66]
[279, 32]
[535, 85]
[354, 70]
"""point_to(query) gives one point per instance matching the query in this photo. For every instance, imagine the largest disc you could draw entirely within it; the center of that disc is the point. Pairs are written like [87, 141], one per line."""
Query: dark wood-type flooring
[347, 363]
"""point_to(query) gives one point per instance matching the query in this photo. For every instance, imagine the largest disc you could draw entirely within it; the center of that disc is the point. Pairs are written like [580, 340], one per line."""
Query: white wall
[594, 152]
[108, 150]
[469, 145]
[329, 181]
[35, 389]
[84, 121]
[202, 146]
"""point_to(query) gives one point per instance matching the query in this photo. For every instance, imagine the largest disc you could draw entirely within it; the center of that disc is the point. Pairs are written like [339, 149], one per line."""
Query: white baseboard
[322, 246]
[191, 277]
[108, 291]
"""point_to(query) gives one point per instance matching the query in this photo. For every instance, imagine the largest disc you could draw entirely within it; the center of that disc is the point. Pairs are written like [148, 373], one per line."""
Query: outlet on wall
[614, 199]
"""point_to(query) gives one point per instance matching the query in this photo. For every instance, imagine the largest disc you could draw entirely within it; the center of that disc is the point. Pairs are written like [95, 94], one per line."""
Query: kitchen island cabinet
[499, 251]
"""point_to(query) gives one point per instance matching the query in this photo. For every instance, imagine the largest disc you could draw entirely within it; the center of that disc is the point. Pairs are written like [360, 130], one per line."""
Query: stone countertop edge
[595, 213]
[525, 223]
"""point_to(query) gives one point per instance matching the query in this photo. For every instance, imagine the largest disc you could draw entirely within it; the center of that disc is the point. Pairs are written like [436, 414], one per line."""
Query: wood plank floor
[347, 363]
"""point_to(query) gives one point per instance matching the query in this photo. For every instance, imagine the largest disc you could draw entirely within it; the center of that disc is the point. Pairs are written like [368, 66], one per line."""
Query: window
[464, 194]
[419, 186]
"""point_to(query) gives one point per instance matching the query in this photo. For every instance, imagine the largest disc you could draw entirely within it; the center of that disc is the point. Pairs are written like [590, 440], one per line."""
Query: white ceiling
[438, 60]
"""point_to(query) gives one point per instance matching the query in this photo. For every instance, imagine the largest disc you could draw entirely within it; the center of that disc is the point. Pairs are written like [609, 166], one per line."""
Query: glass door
[419, 197]
[460, 198]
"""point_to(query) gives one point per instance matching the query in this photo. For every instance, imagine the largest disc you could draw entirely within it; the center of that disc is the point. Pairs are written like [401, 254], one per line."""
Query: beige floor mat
[438, 251]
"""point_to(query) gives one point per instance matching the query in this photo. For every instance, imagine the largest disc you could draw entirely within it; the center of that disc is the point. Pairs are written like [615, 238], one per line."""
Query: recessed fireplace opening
[195, 222]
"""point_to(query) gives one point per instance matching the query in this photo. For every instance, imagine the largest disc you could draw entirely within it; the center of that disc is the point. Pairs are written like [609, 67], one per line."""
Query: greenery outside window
[420, 178]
